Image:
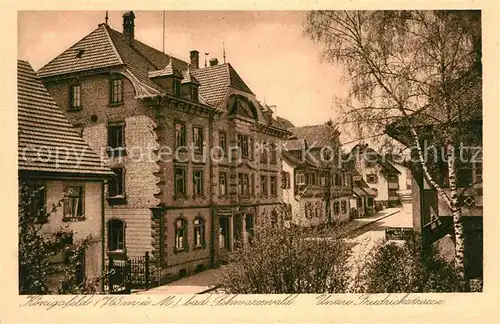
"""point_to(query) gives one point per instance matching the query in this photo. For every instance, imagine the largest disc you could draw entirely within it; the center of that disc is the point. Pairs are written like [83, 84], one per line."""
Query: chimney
[128, 25]
[214, 61]
[195, 59]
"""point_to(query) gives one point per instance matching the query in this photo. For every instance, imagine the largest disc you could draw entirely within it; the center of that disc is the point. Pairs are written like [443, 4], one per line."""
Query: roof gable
[317, 136]
[94, 51]
[44, 127]
[216, 80]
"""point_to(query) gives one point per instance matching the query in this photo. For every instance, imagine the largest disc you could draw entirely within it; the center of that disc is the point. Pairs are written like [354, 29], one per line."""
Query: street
[363, 234]
[363, 240]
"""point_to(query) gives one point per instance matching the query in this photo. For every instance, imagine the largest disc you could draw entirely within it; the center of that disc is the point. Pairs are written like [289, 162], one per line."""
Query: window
[317, 210]
[478, 172]
[180, 235]
[252, 184]
[73, 203]
[370, 202]
[250, 148]
[273, 154]
[263, 152]
[371, 178]
[343, 205]
[243, 145]
[263, 186]
[323, 180]
[222, 184]
[274, 186]
[75, 97]
[67, 257]
[116, 140]
[300, 179]
[198, 138]
[285, 180]
[194, 93]
[308, 209]
[116, 186]
[177, 87]
[180, 134]
[346, 180]
[370, 164]
[465, 175]
[336, 179]
[222, 143]
[197, 183]
[199, 232]
[393, 178]
[180, 181]
[312, 179]
[37, 194]
[116, 91]
[243, 184]
[336, 208]
[116, 235]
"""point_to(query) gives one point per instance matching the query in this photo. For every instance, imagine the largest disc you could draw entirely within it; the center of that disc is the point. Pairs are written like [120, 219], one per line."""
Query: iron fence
[135, 273]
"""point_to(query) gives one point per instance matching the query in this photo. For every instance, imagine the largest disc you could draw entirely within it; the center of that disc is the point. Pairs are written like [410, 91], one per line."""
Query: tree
[37, 248]
[419, 69]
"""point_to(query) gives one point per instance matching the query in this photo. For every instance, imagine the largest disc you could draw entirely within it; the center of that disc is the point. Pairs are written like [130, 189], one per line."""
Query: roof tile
[45, 131]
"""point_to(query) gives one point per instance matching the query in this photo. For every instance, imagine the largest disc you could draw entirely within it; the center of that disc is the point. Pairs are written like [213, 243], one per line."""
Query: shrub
[402, 268]
[287, 261]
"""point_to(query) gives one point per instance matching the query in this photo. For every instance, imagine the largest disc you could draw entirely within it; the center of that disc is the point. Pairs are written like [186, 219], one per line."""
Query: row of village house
[118, 102]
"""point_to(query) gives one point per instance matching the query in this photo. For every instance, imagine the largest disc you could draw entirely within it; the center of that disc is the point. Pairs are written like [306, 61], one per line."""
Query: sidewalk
[207, 280]
[198, 283]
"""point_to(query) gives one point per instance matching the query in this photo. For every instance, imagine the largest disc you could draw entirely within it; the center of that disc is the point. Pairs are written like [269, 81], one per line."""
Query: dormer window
[177, 88]
[79, 53]
[194, 93]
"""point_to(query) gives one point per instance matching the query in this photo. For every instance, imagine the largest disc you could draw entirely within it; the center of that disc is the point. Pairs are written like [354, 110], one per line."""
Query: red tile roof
[106, 47]
[216, 81]
[92, 52]
[44, 131]
[317, 136]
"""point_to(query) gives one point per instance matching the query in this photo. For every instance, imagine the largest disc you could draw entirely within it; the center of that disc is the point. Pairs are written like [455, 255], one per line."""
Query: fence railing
[125, 274]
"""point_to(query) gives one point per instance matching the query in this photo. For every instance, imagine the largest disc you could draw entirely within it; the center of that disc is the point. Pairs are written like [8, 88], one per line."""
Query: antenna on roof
[106, 18]
[224, 52]
[163, 39]
[206, 54]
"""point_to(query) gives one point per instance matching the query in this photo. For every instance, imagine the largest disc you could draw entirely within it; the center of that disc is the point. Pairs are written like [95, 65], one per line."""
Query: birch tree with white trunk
[415, 67]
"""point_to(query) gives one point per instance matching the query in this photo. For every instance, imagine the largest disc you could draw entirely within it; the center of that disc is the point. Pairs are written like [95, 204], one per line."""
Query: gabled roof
[285, 122]
[44, 128]
[216, 81]
[106, 48]
[317, 136]
[381, 161]
[92, 52]
[295, 144]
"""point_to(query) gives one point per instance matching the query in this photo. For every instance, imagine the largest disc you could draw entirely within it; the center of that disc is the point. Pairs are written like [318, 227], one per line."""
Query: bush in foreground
[287, 261]
[402, 268]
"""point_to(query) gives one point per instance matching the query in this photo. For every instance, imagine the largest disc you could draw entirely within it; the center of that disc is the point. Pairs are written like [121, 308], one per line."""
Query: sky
[268, 49]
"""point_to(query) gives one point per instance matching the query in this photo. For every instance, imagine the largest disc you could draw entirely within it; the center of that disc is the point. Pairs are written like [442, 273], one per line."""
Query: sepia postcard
[224, 162]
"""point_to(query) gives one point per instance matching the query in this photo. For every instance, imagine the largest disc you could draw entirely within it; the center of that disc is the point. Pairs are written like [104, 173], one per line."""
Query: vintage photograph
[250, 152]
